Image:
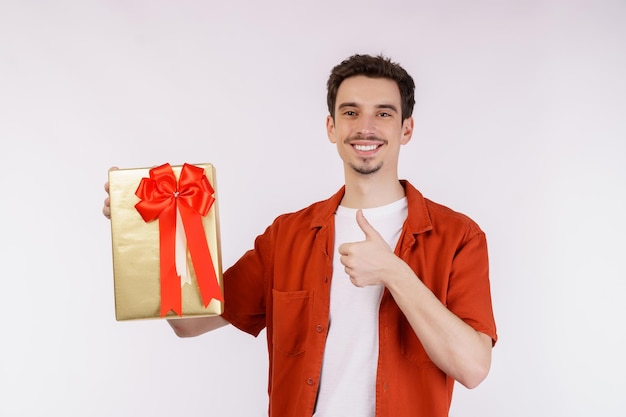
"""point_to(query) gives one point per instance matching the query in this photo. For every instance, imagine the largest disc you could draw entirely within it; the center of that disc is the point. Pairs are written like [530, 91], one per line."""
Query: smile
[365, 148]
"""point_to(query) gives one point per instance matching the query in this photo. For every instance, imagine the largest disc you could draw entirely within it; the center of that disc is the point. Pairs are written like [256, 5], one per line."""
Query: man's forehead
[368, 90]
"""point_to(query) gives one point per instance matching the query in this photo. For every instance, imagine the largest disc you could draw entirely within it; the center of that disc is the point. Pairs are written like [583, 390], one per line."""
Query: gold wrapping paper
[136, 252]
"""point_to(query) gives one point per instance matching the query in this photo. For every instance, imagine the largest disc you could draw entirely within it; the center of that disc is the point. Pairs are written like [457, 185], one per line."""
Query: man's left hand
[370, 261]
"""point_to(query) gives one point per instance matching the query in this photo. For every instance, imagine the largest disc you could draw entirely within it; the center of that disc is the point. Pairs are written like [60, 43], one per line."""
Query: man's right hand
[106, 209]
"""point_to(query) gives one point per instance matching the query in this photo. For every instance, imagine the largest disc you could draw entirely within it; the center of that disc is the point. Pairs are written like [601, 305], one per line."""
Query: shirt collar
[418, 220]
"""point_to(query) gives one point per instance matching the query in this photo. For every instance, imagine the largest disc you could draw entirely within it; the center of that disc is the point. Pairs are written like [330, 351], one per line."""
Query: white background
[520, 123]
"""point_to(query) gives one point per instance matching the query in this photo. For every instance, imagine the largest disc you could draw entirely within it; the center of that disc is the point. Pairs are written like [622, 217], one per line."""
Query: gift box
[166, 242]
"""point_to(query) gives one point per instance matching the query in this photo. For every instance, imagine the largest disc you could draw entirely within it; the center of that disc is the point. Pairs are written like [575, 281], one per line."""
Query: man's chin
[366, 169]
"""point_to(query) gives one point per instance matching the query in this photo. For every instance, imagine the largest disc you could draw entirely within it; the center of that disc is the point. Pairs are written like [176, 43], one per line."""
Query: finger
[106, 210]
[344, 249]
[345, 261]
[354, 279]
[349, 271]
[367, 228]
[106, 184]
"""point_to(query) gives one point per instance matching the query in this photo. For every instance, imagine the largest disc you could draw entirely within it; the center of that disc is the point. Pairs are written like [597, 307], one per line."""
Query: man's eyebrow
[387, 106]
[349, 104]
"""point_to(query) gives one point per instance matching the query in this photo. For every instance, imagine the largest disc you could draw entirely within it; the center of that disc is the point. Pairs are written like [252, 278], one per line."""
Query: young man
[376, 300]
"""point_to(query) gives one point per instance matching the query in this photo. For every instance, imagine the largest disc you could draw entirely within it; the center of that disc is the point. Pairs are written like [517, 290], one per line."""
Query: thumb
[368, 229]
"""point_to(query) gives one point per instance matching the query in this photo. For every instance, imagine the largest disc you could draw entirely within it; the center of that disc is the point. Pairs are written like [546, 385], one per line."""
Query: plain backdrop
[520, 124]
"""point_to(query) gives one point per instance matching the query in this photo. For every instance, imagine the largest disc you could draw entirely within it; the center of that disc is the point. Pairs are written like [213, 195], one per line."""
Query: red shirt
[283, 285]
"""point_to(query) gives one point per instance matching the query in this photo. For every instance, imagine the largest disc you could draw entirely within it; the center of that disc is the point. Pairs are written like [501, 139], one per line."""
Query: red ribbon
[160, 196]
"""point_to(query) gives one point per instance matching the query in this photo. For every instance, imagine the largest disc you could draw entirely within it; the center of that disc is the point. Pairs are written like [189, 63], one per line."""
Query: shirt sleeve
[245, 289]
[469, 294]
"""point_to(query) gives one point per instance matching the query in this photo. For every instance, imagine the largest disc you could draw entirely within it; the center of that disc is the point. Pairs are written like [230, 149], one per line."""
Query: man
[376, 300]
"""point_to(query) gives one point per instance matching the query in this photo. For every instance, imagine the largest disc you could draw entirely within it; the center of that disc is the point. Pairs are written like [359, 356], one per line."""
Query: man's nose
[366, 126]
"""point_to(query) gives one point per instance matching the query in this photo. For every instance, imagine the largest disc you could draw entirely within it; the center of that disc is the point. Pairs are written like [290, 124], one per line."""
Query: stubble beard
[366, 168]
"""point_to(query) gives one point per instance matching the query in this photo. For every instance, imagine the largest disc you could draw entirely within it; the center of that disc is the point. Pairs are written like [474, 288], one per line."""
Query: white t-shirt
[348, 381]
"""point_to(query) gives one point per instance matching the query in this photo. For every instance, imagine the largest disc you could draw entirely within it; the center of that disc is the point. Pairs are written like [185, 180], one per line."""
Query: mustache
[372, 138]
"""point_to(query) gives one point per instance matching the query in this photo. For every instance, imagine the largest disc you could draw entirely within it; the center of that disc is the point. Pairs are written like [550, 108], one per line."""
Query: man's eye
[350, 113]
[384, 114]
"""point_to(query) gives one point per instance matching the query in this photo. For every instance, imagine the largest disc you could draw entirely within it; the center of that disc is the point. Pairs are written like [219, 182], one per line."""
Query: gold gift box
[135, 244]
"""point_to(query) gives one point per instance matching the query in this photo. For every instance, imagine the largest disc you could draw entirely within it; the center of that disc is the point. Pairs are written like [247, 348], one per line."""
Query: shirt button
[310, 381]
[319, 328]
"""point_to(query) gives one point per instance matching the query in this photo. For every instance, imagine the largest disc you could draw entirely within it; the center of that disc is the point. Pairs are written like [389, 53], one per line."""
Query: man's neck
[368, 191]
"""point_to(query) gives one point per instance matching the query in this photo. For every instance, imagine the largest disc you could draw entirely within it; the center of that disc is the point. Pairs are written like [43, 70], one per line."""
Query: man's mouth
[365, 148]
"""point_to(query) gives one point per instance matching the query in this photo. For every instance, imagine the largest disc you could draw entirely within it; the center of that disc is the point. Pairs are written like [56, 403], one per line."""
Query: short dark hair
[375, 67]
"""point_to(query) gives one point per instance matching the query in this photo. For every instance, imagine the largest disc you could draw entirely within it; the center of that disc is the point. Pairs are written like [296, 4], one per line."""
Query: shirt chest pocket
[291, 313]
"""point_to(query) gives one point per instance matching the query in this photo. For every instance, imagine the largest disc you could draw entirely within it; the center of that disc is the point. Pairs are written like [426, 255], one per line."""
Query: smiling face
[368, 128]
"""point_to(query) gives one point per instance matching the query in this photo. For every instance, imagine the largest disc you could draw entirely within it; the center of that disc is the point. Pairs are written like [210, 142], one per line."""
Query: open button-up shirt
[283, 285]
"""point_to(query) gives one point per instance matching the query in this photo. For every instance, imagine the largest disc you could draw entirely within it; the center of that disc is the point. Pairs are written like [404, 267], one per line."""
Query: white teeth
[365, 148]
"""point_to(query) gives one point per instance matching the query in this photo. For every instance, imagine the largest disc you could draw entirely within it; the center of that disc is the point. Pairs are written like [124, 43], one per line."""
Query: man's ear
[407, 130]
[330, 128]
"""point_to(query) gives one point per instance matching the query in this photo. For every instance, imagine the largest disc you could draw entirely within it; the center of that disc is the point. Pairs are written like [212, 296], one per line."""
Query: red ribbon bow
[160, 196]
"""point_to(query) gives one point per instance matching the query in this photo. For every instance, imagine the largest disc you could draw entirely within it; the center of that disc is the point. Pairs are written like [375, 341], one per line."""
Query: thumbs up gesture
[371, 261]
